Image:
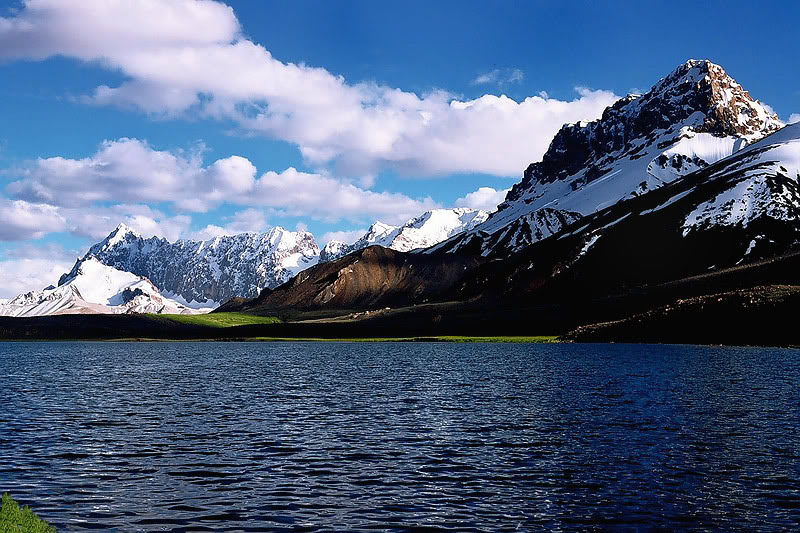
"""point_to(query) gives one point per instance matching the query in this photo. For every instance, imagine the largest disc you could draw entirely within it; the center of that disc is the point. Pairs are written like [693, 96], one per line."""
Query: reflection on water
[461, 437]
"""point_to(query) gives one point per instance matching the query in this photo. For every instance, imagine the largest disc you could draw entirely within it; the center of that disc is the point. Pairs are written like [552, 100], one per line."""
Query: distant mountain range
[431, 228]
[199, 275]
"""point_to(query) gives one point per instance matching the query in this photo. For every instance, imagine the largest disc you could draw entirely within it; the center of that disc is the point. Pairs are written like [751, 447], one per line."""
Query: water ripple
[401, 437]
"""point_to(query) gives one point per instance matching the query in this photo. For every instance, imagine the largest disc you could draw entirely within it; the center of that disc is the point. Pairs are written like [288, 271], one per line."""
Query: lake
[401, 436]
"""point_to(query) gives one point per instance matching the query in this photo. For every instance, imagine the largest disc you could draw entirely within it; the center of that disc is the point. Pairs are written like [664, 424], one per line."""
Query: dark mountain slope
[739, 210]
[371, 278]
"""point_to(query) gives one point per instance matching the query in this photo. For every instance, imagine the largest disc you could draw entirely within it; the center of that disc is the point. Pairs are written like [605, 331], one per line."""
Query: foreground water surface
[344, 436]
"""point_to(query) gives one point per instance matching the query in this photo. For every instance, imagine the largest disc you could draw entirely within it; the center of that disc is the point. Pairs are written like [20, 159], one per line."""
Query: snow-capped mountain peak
[700, 86]
[93, 287]
[120, 234]
[690, 119]
[428, 229]
[206, 273]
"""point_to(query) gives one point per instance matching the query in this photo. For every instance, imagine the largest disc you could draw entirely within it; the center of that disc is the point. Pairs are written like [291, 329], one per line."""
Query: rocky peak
[121, 233]
[333, 250]
[728, 109]
[698, 96]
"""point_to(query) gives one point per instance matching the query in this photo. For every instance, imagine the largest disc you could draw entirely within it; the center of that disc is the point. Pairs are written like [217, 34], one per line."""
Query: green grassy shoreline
[246, 327]
[14, 518]
[540, 339]
[216, 320]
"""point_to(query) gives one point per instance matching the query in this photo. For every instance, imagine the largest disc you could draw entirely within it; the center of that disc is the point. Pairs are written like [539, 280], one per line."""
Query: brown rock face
[370, 278]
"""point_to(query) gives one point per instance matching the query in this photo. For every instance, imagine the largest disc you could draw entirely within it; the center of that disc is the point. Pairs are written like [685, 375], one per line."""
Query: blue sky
[182, 118]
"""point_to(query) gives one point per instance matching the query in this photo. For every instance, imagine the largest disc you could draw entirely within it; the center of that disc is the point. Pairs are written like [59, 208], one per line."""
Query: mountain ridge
[426, 230]
[693, 117]
[728, 210]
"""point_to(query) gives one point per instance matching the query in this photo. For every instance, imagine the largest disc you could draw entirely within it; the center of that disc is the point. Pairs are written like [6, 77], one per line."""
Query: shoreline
[502, 339]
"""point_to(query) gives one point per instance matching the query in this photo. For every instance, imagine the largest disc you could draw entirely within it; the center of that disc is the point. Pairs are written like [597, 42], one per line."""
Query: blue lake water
[401, 437]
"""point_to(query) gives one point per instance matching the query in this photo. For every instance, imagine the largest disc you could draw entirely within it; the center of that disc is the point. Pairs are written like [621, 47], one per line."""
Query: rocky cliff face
[692, 118]
[208, 272]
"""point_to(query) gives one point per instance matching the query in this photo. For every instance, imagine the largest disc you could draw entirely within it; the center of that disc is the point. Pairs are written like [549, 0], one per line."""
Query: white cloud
[241, 222]
[348, 237]
[20, 220]
[794, 117]
[97, 221]
[23, 220]
[170, 228]
[516, 76]
[326, 198]
[485, 198]
[499, 77]
[486, 77]
[132, 169]
[187, 56]
[28, 268]
[79, 29]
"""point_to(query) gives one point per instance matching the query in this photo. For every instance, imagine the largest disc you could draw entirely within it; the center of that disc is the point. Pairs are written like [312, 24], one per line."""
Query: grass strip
[540, 339]
[218, 320]
[16, 519]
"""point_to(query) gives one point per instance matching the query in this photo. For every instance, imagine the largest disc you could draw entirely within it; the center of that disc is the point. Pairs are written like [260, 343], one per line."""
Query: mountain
[204, 273]
[739, 211]
[731, 226]
[368, 278]
[690, 119]
[94, 288]
[424, 231]
[730, 201]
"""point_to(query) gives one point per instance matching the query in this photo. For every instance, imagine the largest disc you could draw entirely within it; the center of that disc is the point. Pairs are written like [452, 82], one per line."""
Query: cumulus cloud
[21, 220]
[326, 198]
[241, 222]
[131, 169]
[794, 117]
[30, 267]
[57, 193]
[191, 57]
[98, 221]
[50, 27]
[485, 198]
[347, 237]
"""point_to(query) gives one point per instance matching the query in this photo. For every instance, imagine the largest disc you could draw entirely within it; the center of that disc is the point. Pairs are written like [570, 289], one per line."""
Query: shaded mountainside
[739, 210]
[758, 315]
[370, 278]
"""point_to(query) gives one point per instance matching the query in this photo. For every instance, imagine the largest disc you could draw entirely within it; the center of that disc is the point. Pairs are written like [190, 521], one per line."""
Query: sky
[198, 118]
